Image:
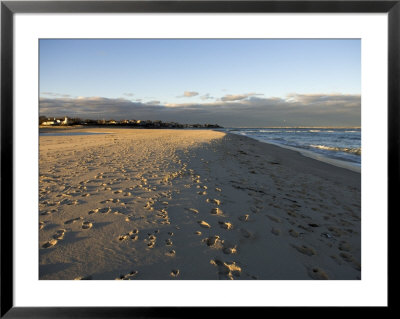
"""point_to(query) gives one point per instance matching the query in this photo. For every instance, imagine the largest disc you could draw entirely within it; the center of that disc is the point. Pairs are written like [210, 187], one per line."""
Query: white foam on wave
[356, 151]
[355, 167]
[339, 163]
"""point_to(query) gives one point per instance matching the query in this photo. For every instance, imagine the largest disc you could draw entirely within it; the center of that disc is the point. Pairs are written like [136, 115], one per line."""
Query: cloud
[55, 94]
[325, 99]
[153, 102]
[237, 97]
[128, 94]
[190, 93]
[251, 111]
[206, 97]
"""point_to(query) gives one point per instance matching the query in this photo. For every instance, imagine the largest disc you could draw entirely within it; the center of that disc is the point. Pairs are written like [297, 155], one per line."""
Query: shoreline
[317, 156]
[193, 204]
[335, 162]
[294, 158]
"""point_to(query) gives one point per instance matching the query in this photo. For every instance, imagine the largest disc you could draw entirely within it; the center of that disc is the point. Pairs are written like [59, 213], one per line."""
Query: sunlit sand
[192, 204]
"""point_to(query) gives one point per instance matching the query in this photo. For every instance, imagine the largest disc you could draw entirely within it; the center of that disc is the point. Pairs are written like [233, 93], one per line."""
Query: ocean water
[342, 144]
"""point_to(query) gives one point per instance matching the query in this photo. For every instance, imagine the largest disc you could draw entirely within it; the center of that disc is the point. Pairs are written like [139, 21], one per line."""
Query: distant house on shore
[48, 123]
[55, 121]
[51, 122]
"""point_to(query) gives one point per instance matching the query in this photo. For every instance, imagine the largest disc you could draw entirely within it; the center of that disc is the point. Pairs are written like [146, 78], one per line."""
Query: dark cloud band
[250, 111]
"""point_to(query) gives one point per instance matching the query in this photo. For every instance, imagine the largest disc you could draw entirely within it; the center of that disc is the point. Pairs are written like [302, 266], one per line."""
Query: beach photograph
[199, 159]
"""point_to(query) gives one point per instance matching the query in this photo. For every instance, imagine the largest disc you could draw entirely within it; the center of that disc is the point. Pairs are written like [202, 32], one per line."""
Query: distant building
[51, 122]
[65, 122]
[48, 123]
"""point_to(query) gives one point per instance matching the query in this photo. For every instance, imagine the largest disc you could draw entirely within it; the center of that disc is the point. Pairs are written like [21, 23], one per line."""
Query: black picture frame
[9, 8]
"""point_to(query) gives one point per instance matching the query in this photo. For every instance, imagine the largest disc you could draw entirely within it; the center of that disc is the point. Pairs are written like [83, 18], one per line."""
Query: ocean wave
[356, 151]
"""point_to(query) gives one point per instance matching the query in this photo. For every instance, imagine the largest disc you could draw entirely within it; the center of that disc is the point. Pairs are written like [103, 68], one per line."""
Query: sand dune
[192, 204]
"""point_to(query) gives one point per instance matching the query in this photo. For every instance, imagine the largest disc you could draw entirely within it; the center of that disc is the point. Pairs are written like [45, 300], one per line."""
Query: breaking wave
[356, 151]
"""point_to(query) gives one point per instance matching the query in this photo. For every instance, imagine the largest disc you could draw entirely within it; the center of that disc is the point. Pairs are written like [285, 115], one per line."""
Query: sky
[230, 82]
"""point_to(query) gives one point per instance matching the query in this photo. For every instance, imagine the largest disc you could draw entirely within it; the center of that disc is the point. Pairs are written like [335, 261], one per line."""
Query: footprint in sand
[292, 214]
[151, 244]
[344, 246]
[229, 248]
[309, 251]
[83, 278]
[74, 202]
[293, 233]
[110, 200]
[93, 211]
[227, 270]
[214, 242]
[193, 210]
[105, 210]
[317, 273]
[305, 228]
[350, 259]
[148, 206]
[50, 243]
[122, 237]
[49, 212]
[71, 221]
[151, 241]
[204, 224]
[225, 225]
[244, 218]
[87, 225]
[274, 219]
[41, 225]
[59, 234]
[214, 201]
[170, 253]
[132, 234]
[128, 276]
[336, 231]
[245, 233]
[175, 273]
[197, 232]
[276, 231]
[168, 242]
[217, 211]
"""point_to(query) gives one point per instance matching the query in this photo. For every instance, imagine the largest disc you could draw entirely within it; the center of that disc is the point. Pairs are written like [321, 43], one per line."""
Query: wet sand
[192, 204]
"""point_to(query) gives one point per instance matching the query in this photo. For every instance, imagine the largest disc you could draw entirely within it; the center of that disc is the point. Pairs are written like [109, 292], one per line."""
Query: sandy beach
[138, 204]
